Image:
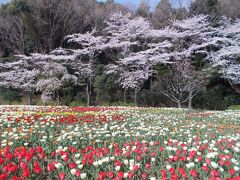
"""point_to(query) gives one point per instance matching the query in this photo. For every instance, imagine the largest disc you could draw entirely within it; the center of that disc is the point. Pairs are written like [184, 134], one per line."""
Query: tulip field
[118, 143]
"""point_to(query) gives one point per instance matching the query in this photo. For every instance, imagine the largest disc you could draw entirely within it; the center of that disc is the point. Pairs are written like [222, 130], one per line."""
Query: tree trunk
[58, 98]
[179, 104]
[124, 95]
[151, 81]
[135, 96]
[88, 94]
[29, 99]
[190, 101]
[151, 84]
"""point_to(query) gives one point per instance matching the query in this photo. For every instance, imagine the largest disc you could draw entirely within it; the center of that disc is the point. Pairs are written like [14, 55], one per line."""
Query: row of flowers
[134, 159]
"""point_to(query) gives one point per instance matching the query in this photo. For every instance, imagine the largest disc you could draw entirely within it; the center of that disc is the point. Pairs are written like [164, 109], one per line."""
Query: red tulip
[172, 170]
[130, 175]
[90, 161]
[117, 163]
[78, 173]
[174, 177]
[62, 175]
[175, 158]
[50, 167]
[72, 165]
[170, 160]
[184, 175]
[214, 173]
[228, 163]
[163, 173]
[66, 159]
[208, 161]
[31, 150]
[13, 168]
[153, 154]
[139, 158]
[178, 152]
[28, 156]
[115, 145]
[102, 175]
[181, 170]
[26, 173]
[144, 176]
[157, 142]
[193, 173]
[39, 149]
[84, 161]
[110, 174]
[14, 178]
[35, 164]
[236, 178]
[2, 161]
[53, 153]
[128, 154]
[23, 165]
[148, 166]
[9, 156]
[3, 176]
[221, 162]
[72, 149]
[205, 168]
[135, 167]
[120, 175]
[161, 149]
[42, 155]
[199, 158]
[37, 169]
[232, 171]
[214, 178]
[183, 158]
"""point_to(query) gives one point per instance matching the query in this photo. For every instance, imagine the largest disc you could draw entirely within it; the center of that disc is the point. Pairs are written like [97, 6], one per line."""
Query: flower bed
[117, 143]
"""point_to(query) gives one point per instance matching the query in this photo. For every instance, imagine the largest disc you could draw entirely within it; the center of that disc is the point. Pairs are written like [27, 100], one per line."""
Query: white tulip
[125, 162]
[214, 165]
[83, 175]
[117, 168]
[95, 164]
[80, 166]
[73, 171]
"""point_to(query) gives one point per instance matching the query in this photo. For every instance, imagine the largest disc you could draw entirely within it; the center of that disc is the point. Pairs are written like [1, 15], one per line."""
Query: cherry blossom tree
[182, 83]
[226, 58]
[140, 48]
[52, 65]
[194, 35]
[52, 77]
[135, 67]
[37, 72]
[21, 75]
[91, 46]
[191, 36]
[180, 41]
